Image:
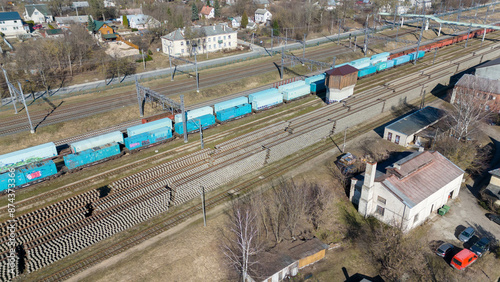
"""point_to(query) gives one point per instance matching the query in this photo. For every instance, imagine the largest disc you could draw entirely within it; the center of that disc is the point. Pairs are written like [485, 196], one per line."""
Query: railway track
[272, 138]
[43, 118]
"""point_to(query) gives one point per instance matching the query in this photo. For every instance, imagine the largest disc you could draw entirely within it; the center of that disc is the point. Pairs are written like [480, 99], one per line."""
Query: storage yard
[275, 146]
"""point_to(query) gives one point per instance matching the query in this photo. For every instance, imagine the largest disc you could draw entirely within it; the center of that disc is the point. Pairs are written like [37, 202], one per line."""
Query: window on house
[182, 43]
[224, 44]
[389, 136]
[219, 37]
[15, 21]
[224, 37]
[229, 37]
[397, 139]
[380, 210]
[209, 46]
[182, 50]
[215, 46]
[209, 39]
[415, 219]
[381, 200]
[229, 43]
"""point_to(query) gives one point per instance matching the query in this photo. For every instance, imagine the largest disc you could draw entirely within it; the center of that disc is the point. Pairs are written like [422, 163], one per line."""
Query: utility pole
[435, 53]
[334, 59]
[202, 194]
[196, 68]
[282, 62]
[395, 14]
[26, 107]
[272, 40]
[10, 90]
[345, 135]
[184, 119]
[139, 100]
[365, 47]
[338, 36]
[304, 47]
[459, 10]
[468, 34]
[143, 61]
[486, 17]
[170, 62]
[421, 33]
[484, 34]
[201, 135]
[70, 67]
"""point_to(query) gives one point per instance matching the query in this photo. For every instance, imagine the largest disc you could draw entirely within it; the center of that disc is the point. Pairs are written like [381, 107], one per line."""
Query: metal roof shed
[403, 131]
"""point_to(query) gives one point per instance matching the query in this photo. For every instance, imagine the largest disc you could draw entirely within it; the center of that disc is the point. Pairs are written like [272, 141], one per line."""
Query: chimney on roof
[224, 27]
[371, 169]
[396, 166]
[214, 27]
[420, 149]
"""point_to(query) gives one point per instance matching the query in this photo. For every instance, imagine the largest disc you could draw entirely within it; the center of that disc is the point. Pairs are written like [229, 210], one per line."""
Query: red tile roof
[343, 70]
[206, 10]
[420, 175]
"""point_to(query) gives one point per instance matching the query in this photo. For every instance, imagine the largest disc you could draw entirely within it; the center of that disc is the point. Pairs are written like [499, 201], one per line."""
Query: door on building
[450, 195]
[389, 136]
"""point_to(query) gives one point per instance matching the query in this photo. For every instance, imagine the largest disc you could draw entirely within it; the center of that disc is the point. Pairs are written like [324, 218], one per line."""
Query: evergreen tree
[194, 13]
[276, 28]
[244, 20]
[217, 8]
[125, 21]
[91, 24]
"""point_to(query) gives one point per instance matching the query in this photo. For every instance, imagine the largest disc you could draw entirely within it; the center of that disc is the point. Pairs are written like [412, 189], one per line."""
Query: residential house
[408, 192]
[236, 23]
[287, 258]
[483, 85]
[136, 21]
[207, 38]
[11, 24]
[38, 13]
[405, 130]
[109, 3]
[66, 22]
[80, 4]
[52, 33]
[493, 189]
[264, 3]
[262, 16]
[207, 12]
[104, 31]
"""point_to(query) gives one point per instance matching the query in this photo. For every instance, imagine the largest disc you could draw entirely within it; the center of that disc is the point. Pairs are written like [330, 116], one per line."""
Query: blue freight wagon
[377, 58]
[381, 66]
[420, 55]
[360, 63]
[97, 141]
[263, 93]
[296, 92]
[318, 86]
[401, 60]
[230, 103]
[93, 155]
[234, 112]
[390, 64]
[195, 113]
[28, 155]
[263, 103]
[194, 124]
[28, 173]
[291, 85]
[367, 71]
[148, 138]
[150, 126]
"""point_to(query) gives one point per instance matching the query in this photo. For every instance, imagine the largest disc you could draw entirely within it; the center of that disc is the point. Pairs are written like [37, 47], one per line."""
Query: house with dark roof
[287, 258]
[408, 192]
[11, 24]
[66, 22]
[38, 13]
[493, 189]
[52, 33]
[207, 12]
[404, 130]
[490, 69]
[202, 39]
[486, 87]
[104, 31]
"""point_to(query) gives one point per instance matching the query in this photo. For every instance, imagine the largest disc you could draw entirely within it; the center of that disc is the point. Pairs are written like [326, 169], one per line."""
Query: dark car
[481, 247]
[466, 234]
[444, 249]
[494, 218]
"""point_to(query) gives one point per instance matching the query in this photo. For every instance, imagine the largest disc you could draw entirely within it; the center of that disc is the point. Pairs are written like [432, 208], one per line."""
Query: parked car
[481, 246]
[444, 249]
[494, 218]
[463, 259]
[466, 234]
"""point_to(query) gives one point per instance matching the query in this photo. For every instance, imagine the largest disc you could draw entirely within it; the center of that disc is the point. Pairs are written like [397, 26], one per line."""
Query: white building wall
[181, 48]
[12, 28]
[393, 208]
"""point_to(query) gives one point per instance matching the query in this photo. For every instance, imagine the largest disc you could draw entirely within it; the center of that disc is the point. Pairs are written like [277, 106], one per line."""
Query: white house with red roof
[207, 12]
[409, 191]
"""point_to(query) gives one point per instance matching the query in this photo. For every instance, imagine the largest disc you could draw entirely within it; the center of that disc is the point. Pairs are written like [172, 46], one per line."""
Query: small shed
[403, 131]
[340, 83]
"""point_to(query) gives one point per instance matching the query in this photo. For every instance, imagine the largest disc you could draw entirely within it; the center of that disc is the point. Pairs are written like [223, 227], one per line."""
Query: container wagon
[148, 138]
[367, 71]
[296, 93]
[262, 103]
[401, 60]
[360, 63]
[91, 156]
[157, 117]
[381, 66]
[150, 126]
[263, 93]
[28, 155]
[390, 64]
[291, 85]
[97, 141]
[230, 103]
[381, 57]
[234, 112]
[33, 172]
[195, 113]
[194, 124]
[317, 83]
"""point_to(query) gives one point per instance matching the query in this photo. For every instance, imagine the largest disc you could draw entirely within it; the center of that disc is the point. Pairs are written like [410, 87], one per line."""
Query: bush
[135, 29]
[150, 52]
[146, 58]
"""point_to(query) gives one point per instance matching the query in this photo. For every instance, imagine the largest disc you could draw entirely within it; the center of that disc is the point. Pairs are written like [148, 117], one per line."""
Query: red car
[463, 259]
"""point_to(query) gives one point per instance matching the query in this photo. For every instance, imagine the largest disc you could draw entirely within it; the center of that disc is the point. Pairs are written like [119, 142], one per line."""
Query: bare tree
[470, 100]
[241, 245]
